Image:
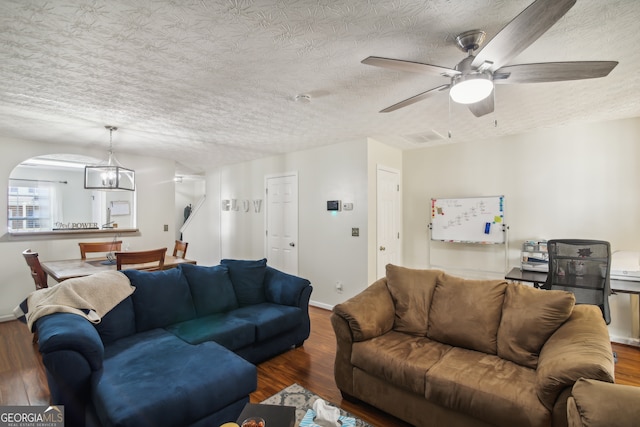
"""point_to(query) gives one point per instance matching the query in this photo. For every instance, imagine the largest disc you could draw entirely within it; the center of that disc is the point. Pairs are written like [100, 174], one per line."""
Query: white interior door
[388, 219]
[282, 222]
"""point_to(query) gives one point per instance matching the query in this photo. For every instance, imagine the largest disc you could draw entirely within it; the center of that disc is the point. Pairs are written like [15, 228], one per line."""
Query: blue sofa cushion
[211, 288]
[120, 322]
[155, 379]
[270, 319]
[248, 279]
[223, 328]
[161, 298]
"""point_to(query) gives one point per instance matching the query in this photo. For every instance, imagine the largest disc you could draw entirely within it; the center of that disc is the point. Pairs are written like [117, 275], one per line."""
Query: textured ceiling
[213, 82]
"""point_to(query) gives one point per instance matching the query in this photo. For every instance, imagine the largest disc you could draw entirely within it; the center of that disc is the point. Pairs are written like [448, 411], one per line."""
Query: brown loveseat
[437, 350]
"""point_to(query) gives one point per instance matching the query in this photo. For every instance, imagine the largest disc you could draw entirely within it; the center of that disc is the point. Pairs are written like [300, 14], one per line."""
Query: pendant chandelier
[109, 175]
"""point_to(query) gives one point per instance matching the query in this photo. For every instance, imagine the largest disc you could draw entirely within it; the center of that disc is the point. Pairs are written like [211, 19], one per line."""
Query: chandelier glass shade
[471, 88]
[109, 175]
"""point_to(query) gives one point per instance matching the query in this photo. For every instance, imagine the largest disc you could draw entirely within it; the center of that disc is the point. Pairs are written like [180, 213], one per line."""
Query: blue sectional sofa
[180, 351]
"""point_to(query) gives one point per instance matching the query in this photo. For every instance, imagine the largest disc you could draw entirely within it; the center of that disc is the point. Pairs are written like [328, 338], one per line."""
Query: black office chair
[581, 267]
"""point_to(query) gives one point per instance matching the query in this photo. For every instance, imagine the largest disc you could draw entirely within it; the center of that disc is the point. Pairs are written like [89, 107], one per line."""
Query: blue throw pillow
[247, 278]
[161, 298]
[211, 288]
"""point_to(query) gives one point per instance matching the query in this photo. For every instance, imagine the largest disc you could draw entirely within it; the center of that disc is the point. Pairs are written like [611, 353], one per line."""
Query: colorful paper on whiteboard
[497, 219]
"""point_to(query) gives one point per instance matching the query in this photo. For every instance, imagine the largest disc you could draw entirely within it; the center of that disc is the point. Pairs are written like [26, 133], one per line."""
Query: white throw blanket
[90, 297]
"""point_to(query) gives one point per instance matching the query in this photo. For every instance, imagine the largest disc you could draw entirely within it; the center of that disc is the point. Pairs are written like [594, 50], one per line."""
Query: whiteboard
[468, 219]
[119, 207]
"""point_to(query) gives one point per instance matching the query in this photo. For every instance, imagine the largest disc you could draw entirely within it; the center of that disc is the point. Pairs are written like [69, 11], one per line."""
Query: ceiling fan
[472, 79]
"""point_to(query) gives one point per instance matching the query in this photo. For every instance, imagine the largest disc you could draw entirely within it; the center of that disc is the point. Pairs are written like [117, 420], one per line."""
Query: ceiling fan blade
[523, 30]
[482, 107]
[553, 71]
[414, 99]
[413, 67]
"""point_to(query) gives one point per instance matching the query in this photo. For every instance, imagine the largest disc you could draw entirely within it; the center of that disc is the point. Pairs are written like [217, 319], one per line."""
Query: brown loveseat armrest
[579, 348]
[370, 313]
[367, 315]
[598, 404]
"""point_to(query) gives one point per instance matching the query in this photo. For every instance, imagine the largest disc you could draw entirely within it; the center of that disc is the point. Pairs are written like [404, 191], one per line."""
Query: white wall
[580, 181]
[327, 251]
[155, 206]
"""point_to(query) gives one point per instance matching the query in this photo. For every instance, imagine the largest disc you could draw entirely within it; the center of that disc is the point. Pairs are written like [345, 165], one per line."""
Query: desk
[69, 268]
[617, 286]
[538, 278]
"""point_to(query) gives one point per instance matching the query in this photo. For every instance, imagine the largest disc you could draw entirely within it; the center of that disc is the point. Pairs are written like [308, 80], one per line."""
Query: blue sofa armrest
[70, 332]
[71, 351]
[286, 289]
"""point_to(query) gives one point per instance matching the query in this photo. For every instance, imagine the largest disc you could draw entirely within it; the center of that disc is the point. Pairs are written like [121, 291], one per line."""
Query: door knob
[382, 248]
[292, 244]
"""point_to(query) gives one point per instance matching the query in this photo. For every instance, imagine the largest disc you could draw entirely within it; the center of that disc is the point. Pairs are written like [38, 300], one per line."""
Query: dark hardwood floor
[23, 382]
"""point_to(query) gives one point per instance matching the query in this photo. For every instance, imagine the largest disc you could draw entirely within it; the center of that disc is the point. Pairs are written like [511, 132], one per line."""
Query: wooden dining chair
[37, 273]
[180, 249]
[142, 257]
[113, 246]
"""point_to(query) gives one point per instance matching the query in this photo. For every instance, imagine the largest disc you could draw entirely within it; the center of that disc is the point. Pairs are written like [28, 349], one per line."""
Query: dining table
[69, 268]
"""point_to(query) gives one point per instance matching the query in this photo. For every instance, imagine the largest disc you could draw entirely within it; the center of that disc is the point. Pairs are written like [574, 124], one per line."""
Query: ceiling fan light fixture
[471, 88]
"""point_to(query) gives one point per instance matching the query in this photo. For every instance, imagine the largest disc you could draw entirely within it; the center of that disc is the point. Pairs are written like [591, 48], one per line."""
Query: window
[30, 205]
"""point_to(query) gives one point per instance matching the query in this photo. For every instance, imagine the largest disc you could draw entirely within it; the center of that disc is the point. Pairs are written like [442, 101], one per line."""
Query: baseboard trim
[321, 305]
[625, 340]
[7, 317]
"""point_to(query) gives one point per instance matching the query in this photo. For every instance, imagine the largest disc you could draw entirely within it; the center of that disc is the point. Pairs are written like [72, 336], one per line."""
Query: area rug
[302, 399]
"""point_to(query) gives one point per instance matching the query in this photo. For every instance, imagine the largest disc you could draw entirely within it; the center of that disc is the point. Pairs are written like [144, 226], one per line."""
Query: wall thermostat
[334, 205]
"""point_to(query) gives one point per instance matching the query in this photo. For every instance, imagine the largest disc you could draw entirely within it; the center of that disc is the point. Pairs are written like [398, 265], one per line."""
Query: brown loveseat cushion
[486, 387]
[411, 291]
[466, 313]
[529, 317]
[398, 358]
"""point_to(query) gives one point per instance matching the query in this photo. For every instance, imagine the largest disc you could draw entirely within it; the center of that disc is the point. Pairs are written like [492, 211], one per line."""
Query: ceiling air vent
[430, 137]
